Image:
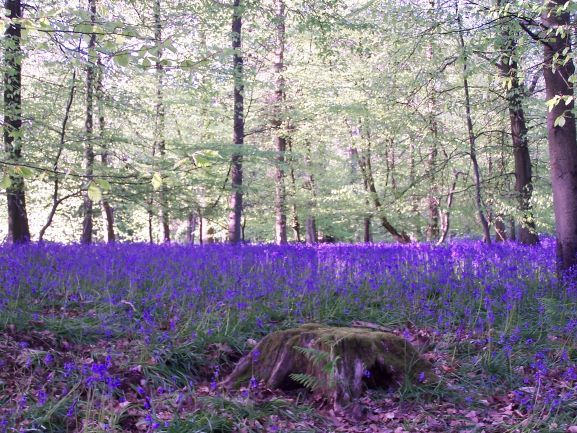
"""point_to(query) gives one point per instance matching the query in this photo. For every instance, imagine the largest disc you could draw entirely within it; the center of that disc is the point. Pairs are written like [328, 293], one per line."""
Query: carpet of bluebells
[135, 337]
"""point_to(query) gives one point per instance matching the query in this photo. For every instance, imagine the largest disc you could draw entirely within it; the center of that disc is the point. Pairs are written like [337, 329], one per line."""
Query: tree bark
[106, 208]
[472, 137]
[311, 235]
[191, 228]
[432, 199]
[87, 222]
[509, 69]
[367, 238]
[277, 122]
[159, 135]
[234, 224]
[18, 228]
[561, 134]
[295, 223]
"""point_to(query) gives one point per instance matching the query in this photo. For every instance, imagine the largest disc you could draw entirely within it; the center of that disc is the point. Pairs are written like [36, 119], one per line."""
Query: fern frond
[306, 380]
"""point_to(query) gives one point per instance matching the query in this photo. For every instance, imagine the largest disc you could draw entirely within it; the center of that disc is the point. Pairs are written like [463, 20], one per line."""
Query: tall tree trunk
[432, 199]
[234, 224]
[159, 133]
[106, 208]
[295, 223]
[190, 228]
[509, 69]
[311, 232]
[87, 222]
[561, 133]
[472, 137]
[56, 199]
[18, 229]
[277, 122]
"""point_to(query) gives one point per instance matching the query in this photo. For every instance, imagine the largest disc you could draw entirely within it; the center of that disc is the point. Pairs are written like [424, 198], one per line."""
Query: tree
[160, 120]
[18, 229]
[509, 69]
[559, 73]
[87, 208]
[277, 123]
[234, 226]
[106, 207]
[471, 134]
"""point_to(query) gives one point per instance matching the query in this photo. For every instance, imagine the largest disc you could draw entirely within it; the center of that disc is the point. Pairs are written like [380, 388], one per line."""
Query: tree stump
[337, 363]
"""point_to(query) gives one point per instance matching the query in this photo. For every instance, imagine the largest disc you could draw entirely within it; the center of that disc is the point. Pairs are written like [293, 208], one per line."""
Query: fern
[316, 356]
[306, 381]
[326, 361]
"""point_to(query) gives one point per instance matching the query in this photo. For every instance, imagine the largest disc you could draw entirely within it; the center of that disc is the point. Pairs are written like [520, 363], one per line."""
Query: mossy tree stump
[337, 363]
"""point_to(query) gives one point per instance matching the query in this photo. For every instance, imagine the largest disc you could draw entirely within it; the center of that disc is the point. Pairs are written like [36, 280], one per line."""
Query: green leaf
[156, 180]
[24, 171]
[560, 121]
[94, 192]
[103, 184]
[122, 59]
[6, 182]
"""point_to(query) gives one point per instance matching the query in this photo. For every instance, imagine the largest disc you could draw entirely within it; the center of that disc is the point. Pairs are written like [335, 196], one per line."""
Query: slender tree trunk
[311, 235]
[509, 69]
[234, 224]
[200, 227]
[87, 223]
[432, 199]
[446, 215]
[56, 200]
[191, 228]
[561, 133]
[106, 208]
[367, 238]
[295, 223]
[159, 135]
[18, 229]
[277, 122]
[472, 138]
[512, 230]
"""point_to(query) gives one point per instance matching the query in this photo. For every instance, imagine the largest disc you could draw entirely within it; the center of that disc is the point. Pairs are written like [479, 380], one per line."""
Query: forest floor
[82, 349]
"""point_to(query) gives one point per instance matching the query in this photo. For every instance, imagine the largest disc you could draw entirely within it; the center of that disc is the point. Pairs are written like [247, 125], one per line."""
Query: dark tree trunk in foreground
[235, 217]
[107, 209]
[159, 140]
[561, 132]
[277, 122]
[523, 176]
[87, 209]
[18, 230]
[472, 137]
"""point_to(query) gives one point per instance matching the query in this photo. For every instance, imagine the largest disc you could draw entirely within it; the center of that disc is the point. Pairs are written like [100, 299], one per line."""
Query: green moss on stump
[365, 358]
